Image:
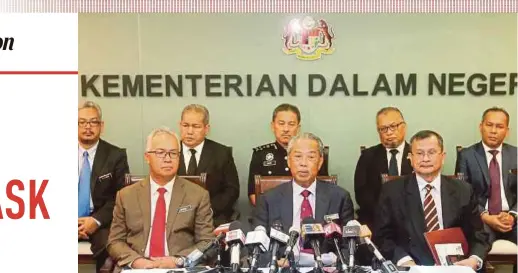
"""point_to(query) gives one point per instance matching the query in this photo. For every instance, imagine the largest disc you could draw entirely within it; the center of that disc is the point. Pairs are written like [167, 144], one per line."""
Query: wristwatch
[179, 261]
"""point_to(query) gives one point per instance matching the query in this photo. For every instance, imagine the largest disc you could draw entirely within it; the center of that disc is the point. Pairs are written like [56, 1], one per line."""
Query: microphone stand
[341, 265]
[218, 264]
[291, 260]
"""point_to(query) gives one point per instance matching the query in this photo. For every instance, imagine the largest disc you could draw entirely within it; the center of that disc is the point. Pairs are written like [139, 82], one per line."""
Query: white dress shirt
[305, 259]
[154, 197]
[436, 195]
[91, 155]
[187, 154]
[489, 157]
[399, 156]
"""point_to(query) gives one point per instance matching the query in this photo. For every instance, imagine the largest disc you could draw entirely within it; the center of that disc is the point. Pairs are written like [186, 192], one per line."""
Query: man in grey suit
[490, 167]
[290, 203]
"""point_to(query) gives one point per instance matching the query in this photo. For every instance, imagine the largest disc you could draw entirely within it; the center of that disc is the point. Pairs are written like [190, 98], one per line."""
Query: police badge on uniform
[269, 160]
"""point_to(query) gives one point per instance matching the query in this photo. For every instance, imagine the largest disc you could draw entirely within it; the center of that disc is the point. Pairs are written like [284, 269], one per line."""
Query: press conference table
[262, 270]
[422, 269]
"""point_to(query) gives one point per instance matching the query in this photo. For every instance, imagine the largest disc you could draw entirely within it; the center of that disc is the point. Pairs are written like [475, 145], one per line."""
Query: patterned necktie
[393, 169]
[305, 211]
[84, 187]
[431, 218]
[157, 241]
[495, 198]
[192, 163]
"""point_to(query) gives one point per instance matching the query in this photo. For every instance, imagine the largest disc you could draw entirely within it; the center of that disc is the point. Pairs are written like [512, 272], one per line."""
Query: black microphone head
[277, 224]
[235, 225]
[308, 220]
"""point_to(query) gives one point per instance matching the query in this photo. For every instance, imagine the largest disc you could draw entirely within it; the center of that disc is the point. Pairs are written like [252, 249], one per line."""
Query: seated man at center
[305, 196]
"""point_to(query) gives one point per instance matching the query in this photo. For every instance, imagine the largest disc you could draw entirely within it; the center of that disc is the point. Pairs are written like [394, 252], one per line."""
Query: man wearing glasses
[102, 167]
[161, 219]
[388, 157]
[425, 202]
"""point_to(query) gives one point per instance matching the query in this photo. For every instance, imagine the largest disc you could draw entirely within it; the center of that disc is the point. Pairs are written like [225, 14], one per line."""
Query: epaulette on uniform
[265, 146]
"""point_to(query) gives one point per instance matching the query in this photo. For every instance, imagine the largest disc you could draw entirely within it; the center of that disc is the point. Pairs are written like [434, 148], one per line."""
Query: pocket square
[184, 209]
[104, 176]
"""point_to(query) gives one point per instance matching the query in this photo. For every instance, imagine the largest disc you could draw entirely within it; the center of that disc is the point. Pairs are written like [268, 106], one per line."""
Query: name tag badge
[269, 163]
[184, 209]
[104, 176]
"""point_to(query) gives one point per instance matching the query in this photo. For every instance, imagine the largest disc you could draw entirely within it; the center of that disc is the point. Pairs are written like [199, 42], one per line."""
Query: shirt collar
[155, 186]
[487, 149]
[297, 189]
[400, 148]
[436, 183]
[91, 151]
[198, 148]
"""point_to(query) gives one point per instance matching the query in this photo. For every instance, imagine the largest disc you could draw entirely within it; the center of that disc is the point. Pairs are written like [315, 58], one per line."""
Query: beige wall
[367, 44]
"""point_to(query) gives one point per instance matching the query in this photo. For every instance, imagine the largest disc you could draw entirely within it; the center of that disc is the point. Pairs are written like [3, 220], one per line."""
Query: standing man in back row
[202, 155]
[272, 159]
[388, 157]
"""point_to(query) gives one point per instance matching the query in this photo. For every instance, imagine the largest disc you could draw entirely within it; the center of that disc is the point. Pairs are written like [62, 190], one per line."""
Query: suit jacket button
[287, 169]
[269, 172]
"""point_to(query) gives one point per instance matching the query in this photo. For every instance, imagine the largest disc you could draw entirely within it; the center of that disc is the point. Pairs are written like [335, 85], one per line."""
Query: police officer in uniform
[272, 159]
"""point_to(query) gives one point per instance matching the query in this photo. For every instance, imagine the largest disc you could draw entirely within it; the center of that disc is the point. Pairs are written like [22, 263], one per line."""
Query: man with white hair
[160, 220]
[102, 167]
[305, 197]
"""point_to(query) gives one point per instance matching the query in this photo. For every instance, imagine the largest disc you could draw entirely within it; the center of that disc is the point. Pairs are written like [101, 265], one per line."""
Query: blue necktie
[84, 187]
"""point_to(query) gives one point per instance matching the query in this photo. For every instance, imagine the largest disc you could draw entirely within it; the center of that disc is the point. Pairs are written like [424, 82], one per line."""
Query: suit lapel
[321, 202]
[205, 157]
[414, 205]
[381, 155]
[144, 201]
[447, 202]
[506, 166]
[176, 202]
[480, 156]
[182, 170]
[406, 168]
[101, 154]
[286, 197]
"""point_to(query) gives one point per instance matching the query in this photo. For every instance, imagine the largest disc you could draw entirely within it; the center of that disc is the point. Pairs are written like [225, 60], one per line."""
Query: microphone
[260, 243]
[294, 237]
[235, 239]
[313, 236]
[386, 265]
[196, 255]
[351, 232]
[278, 238]
[334, 232]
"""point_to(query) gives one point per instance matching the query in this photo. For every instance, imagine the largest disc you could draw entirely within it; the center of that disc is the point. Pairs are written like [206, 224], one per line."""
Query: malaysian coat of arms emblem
[308, 38]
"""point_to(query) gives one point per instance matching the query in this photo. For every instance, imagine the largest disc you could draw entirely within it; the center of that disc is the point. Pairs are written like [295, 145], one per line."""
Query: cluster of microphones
[310, 235]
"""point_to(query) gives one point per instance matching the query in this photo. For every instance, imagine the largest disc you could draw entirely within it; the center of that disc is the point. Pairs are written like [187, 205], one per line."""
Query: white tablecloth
[263, 270]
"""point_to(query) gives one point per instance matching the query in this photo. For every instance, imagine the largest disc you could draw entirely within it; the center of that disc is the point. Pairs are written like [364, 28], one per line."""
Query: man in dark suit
[388, 157]
[305, 196]
[102, 167]
[272, 159]
[488, 168]
[427, 201]
[200, 154]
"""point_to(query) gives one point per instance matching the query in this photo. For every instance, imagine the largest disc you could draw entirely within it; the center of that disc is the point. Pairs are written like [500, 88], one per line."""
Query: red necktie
[305, 211]
[495, 199]
[157, 242]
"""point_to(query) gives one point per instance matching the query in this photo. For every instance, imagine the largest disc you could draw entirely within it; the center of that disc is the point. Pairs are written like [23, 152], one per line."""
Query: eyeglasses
[431, 154]
[392, 127]
[173, 154]
[93, 123]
